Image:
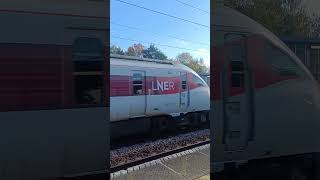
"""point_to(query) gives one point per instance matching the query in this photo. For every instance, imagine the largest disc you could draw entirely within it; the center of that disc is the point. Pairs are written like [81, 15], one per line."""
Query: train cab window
[236, 60]
[281, 62]
[236, 53]
[137, 84]
[197, 80]
[184, 82]
[88, 71]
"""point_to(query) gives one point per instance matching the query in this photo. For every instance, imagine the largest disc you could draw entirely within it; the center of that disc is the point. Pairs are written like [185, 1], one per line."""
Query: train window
[88, 89]
[197, 80]
[235, 52]
[137, 84]
[281, 62]
[237, 79]
[236, 57]
[88, 75]
[137, 78]
[184, 82]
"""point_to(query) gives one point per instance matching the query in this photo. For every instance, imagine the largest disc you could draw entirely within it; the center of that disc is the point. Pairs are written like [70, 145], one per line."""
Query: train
[266, 103]
[53, 97]
[152, 96]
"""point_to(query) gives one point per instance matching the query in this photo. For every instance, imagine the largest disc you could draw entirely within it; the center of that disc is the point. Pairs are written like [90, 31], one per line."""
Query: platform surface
[193, 165]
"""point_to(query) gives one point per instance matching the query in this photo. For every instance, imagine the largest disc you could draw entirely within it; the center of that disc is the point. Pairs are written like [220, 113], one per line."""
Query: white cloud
[181, 43]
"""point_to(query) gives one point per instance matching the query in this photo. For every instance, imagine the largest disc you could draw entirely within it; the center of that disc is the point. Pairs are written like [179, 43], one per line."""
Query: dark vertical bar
[107, 86]
[212, 5]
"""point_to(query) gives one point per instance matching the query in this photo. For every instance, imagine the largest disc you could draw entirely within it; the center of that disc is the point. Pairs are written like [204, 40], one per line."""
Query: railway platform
[193, 164]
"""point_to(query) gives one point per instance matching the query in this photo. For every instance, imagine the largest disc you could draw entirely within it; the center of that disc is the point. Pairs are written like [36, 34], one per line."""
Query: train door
[138, 84]
[184, 91]
[236, 94]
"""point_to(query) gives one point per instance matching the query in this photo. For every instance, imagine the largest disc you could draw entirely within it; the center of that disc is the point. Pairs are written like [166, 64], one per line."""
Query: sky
[145, 27]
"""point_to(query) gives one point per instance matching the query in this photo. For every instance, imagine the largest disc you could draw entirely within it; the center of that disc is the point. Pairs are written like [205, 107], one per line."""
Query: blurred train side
[266, 102]
[48, 127]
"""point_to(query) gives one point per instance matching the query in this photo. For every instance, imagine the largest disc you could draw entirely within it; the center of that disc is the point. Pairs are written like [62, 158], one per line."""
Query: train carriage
[145, 91]
[53, 116]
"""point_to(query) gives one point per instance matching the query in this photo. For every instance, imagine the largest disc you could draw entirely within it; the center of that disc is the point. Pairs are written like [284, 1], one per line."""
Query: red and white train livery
[143, 88]
[266, 102]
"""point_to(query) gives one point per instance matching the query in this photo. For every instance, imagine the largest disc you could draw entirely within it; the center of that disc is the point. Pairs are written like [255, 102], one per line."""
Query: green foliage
[195, 64]
[153, 52]
[116, 50]
[135, 50]
[282, 17]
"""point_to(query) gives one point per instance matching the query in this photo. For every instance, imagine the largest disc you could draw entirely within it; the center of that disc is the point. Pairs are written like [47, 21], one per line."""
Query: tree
[184, 58]
[282, 17]
[195, 64]
[153, 52]
[315, 25]
[135, 50]
[116, 50]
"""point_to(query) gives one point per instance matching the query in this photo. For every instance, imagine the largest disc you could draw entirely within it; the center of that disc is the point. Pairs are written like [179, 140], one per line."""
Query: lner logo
[162, 85]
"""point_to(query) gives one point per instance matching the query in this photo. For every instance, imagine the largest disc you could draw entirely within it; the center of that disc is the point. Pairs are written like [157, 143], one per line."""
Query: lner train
[148, 95]
[266, 103]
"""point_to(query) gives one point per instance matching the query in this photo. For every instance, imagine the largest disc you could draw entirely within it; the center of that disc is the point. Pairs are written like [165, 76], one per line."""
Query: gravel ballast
[139, 151]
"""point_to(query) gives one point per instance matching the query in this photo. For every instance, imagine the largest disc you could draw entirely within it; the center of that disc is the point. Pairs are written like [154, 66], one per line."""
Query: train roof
[141, 59]
[123, 60]
[226, 18]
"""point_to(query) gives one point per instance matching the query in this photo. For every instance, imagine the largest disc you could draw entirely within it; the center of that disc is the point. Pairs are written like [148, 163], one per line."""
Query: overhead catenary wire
[170, 36]
[163, 13]
[192, 6]
[164, 45]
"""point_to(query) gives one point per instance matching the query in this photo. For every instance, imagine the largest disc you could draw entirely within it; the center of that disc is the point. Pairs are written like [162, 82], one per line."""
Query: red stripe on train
[122, 85]
[262, 71]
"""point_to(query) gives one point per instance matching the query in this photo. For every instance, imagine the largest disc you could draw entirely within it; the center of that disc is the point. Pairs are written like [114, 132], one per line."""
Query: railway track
[146, 137]
[146, 152]
[157, 156]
